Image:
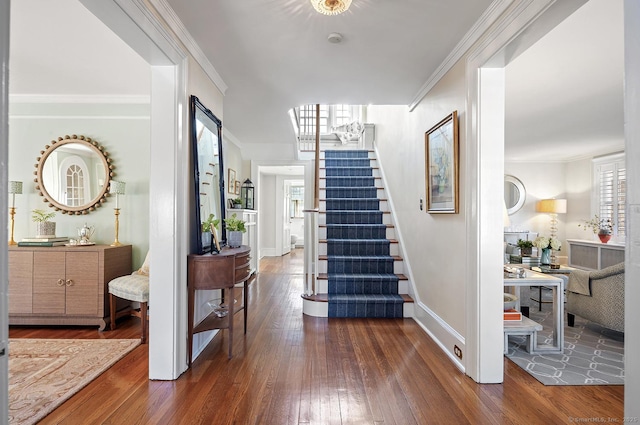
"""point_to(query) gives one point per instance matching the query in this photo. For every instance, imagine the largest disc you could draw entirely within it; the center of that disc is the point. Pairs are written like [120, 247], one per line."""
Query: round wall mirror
[514, 194]
[73, 174]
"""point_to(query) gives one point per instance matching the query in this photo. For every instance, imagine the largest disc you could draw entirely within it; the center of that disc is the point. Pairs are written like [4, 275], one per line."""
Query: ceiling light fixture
[331, 7]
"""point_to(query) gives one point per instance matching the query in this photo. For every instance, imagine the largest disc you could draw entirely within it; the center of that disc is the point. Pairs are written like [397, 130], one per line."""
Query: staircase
[359, 267]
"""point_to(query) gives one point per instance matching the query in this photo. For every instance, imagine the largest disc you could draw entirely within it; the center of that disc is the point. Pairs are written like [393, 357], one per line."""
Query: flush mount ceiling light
[331, 7]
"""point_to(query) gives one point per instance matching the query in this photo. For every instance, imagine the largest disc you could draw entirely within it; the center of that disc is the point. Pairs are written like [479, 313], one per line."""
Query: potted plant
[603, 227]
[45, 228]
[208, 227]
[235, 229]
[526, 247]
[237, 203]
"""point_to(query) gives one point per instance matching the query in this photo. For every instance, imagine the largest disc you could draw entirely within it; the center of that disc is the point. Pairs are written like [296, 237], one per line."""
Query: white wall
[267, 208]
[124, 132]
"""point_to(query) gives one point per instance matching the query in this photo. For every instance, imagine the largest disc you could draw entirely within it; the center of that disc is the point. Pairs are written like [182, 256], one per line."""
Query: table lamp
[15, 188]
[553, 207]
[117, 188]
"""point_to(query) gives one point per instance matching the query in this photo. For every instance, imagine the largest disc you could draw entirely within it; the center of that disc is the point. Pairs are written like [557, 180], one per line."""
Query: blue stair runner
[361, 281]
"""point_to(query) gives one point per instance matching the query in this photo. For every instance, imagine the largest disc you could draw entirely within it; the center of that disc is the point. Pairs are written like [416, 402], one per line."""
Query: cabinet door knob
[69, 282]
[60, 282]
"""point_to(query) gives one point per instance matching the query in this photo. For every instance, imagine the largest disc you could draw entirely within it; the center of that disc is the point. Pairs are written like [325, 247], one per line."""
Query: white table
[533, 278]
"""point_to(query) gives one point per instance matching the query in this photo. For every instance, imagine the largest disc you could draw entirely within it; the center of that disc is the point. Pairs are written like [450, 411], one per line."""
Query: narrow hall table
[217, 271]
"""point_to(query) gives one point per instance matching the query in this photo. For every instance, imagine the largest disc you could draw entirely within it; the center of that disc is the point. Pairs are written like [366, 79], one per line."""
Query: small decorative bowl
[510, 301]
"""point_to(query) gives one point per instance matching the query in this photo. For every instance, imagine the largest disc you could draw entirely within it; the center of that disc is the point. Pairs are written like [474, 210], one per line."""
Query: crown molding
[173, 21]
[228, 136]
[482, 24]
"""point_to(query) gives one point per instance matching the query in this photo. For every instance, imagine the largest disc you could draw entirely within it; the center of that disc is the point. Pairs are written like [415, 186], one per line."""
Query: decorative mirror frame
[202, 247]
[523, 194]
[96, 201]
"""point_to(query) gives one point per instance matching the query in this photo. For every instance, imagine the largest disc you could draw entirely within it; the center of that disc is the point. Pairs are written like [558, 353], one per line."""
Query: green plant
[41, 216]
[237, 201]
[597, 225]
[525, 244]
[234, 224]
[210, 223]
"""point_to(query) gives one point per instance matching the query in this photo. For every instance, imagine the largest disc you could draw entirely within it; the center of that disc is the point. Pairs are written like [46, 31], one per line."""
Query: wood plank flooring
[294, 369]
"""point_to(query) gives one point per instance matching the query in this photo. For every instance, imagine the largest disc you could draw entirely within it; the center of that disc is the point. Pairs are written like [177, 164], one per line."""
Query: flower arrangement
[598, 225]
[543, 242]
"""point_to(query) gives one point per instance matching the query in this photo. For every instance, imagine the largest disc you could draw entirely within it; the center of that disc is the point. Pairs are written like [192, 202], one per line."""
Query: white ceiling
[565, 92]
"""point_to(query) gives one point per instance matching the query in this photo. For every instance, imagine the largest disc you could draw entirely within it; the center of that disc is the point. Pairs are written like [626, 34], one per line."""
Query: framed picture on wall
[231, 178]
[441, 166]
[237, 187]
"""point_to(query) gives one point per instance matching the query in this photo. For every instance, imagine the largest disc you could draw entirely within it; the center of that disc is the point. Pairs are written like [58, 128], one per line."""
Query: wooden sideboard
[63, 285]
[592, 255]
[222, 271]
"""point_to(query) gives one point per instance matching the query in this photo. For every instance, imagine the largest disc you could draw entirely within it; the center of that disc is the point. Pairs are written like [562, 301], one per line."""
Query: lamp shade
[117, 187]
[15, 188]
[553, 206]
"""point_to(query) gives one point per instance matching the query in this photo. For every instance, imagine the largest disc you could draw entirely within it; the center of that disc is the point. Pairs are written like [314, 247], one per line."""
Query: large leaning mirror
[206, 143]
[73, 174]
[514, 194]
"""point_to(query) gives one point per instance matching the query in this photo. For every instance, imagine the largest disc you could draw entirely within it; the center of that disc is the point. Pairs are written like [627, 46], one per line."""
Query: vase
[545, 257]
[46, 229]
[234, 238]
[604, 238]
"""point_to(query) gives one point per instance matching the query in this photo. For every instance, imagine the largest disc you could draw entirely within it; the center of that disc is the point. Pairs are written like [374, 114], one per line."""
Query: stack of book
[530, 261]
[44, 241]
[512, 314]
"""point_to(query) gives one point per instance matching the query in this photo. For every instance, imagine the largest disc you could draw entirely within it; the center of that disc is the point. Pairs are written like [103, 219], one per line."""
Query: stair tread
[325, 276]
[325, 297]
[394, 257]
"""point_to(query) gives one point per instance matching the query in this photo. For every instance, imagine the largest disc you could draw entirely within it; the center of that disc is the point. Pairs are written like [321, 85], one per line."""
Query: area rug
[593, 355]
[43, 373]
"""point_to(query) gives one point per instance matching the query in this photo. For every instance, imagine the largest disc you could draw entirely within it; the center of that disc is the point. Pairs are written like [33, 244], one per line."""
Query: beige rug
[43, 373]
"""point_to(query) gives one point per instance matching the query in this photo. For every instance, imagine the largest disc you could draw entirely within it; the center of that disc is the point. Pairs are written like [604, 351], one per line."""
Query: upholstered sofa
[605, 304]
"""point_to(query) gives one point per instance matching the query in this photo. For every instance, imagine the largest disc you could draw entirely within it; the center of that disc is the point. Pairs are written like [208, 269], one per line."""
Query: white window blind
[610, 188]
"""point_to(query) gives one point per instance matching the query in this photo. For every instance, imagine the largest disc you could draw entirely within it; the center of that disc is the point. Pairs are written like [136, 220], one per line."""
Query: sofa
[597, 296]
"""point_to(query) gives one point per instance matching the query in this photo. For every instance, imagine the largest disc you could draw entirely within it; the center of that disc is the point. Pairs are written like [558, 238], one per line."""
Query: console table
[532, 278]
[217, 271]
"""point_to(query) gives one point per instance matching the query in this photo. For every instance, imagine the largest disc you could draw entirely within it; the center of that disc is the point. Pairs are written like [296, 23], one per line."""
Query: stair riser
[349, 193]
[363, 288]
[347, 231]
[321, 309]
[394, 249]
[398, 267]
[351, 182]
[389, 233]
[353, 310]
[345, 153]
[322, 286]
[349, 172]
[358, 217]
[353, 205]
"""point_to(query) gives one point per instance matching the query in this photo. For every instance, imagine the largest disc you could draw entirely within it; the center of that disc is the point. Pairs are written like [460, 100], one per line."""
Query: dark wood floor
[294, 369]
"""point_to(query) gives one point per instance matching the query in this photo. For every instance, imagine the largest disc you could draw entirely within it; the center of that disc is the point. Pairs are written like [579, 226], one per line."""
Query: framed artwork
[441, 166]
[231, 178]
[237, 187]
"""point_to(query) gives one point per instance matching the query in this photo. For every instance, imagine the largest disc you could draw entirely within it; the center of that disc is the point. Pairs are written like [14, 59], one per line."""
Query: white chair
[133, 287]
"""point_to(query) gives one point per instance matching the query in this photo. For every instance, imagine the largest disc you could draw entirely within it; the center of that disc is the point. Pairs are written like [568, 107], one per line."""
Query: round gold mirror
[73, 174]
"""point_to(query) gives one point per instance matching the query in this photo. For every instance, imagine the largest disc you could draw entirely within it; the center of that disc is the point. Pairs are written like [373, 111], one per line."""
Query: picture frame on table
[442, 166]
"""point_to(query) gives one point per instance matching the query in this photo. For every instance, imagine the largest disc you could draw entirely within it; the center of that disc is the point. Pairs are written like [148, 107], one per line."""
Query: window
[610, 189]
[297, 201]
[330, 116]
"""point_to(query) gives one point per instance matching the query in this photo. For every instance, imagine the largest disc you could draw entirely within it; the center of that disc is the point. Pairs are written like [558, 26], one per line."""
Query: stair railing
[311, 221]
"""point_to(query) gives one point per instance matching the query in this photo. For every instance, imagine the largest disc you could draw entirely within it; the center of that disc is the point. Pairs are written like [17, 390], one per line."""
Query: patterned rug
[43, 373]
[593, 355]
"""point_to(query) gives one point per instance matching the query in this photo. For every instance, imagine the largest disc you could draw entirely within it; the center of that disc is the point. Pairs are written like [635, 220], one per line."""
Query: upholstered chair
[133, 287]
[602, 300]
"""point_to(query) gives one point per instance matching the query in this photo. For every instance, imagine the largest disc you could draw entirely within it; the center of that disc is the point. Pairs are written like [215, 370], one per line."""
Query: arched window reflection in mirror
[514, 194]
